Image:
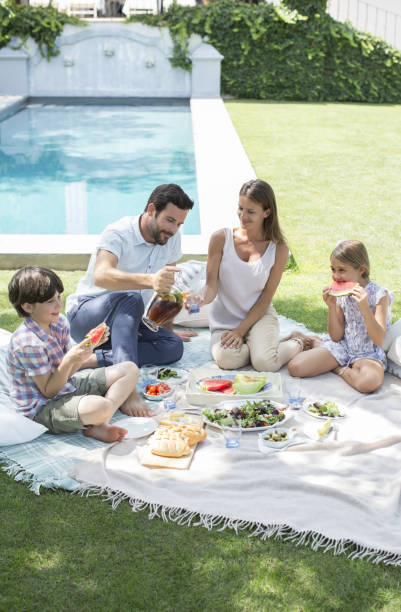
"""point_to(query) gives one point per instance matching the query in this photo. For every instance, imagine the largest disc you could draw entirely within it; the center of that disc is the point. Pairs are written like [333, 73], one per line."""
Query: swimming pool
[72, 169]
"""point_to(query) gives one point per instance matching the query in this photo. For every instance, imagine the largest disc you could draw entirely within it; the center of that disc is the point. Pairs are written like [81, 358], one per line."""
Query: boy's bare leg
[366, 375]
[122, 379]
[95, 412]
[311, 363]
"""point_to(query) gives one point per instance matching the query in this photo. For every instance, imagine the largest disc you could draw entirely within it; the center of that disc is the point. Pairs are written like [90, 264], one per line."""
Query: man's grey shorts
[61, 415]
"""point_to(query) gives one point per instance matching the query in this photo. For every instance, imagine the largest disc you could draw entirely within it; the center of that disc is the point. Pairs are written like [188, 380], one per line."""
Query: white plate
[157, 398]
[234, 403]
[137, 426]
[232, 377]
[306, 403]
[182, 376]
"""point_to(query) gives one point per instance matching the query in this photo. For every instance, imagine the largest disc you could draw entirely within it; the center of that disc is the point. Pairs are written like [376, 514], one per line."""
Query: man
[135, 256]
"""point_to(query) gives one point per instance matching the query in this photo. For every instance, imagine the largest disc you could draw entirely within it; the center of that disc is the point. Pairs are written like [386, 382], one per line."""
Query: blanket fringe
[21, 475]
[180, 516]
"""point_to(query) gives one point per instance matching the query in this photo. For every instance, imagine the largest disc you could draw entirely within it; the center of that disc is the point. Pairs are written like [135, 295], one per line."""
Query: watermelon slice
[217, 385]
[96, 335]
[342, 288]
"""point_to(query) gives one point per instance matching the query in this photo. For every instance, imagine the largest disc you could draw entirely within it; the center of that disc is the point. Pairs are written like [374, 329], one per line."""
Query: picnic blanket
[342, 495]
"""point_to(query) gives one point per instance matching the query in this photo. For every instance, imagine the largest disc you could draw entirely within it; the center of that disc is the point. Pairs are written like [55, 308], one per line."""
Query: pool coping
[222, 166]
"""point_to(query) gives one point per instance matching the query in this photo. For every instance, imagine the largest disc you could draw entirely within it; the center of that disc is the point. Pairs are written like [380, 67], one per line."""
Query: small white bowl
[279, 444]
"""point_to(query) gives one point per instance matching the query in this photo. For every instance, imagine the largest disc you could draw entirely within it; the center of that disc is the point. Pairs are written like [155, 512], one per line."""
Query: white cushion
[393, 368]
[391, 335]
[14, 428]
[394, 352]
[193, 278]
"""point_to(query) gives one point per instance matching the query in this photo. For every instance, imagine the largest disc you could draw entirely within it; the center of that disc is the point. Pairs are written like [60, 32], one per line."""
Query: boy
[42, 366]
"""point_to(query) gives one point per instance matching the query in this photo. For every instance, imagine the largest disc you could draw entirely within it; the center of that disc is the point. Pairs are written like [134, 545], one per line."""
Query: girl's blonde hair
[353, 252]
[260, 192]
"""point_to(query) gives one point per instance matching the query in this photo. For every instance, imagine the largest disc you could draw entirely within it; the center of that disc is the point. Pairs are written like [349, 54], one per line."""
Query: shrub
[273, 53]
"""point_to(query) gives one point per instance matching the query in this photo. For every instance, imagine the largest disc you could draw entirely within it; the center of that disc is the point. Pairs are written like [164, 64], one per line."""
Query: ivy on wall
[282, 53]
[43, 24]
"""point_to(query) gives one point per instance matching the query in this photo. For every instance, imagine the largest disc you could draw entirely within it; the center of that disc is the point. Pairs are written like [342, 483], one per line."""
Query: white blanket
[343, 495]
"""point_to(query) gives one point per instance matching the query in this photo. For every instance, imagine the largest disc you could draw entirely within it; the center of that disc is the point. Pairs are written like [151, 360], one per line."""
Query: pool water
[74, 169]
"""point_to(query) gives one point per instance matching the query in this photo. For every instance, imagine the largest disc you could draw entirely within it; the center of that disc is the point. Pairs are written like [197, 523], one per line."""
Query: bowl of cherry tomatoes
[157, 391]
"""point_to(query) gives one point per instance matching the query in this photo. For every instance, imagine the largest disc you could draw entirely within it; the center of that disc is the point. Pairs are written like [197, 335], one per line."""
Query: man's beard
[157, 234]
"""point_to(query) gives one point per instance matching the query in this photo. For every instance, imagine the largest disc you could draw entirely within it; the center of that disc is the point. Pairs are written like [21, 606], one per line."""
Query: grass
[335, 172]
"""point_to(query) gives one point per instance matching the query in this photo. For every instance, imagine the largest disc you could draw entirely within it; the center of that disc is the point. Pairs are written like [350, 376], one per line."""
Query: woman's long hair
[260, 192]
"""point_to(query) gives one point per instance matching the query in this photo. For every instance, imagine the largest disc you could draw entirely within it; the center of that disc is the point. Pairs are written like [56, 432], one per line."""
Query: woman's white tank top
[240, 284]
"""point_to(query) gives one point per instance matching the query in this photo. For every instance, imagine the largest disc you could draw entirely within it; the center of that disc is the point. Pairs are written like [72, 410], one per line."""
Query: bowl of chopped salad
[254, 415]
[323, 409]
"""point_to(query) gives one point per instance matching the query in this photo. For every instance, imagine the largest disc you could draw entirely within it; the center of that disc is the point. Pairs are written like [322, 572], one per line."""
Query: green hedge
[282, 54]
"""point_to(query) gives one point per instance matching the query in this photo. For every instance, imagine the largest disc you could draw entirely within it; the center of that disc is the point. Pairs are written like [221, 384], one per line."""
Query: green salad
[261, 413]
[325, 409]
[166, 373]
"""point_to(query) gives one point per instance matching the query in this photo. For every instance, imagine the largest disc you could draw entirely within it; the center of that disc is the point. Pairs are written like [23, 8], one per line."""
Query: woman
[244, 269]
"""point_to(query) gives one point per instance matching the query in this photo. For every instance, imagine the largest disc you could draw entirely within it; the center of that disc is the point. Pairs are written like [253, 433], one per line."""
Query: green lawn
[335, 170]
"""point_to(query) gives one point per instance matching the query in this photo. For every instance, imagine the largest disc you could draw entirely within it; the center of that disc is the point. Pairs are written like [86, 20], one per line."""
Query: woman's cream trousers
[261, 347]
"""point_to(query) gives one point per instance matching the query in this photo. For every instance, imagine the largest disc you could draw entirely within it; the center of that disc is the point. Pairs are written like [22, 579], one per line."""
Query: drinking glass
[232, 434]
[293, 387]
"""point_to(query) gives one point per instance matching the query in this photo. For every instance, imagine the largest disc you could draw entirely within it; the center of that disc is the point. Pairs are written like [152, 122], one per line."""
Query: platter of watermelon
[209, 386]
[238, 384]
[339, 289]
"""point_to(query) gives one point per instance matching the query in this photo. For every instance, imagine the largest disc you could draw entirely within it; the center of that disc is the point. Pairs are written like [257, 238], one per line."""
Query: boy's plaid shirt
[33, 352]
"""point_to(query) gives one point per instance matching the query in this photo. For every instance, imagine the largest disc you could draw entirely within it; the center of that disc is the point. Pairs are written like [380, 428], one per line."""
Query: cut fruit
[339, 289]
[219, 385]
[96, 335]
[246, 385]
[324, 429]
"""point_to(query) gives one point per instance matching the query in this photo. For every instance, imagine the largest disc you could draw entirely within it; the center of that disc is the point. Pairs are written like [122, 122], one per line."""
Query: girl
[244, 269]
[357, 325]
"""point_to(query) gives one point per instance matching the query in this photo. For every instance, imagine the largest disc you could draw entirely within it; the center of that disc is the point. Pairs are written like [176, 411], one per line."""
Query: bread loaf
[194, 433]
[170, 447]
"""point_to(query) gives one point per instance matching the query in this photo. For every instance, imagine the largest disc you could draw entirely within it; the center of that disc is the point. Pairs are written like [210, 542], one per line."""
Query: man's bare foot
[136, 406]
[106, 433]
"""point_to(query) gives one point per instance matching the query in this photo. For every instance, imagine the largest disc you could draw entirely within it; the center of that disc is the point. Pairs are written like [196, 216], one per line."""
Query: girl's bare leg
[366, 375]
[311, 363]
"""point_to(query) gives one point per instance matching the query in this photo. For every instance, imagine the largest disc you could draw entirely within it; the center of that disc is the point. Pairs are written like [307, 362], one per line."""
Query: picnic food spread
[260, 413]
[242, 384]
[96, 335]
[340, 288]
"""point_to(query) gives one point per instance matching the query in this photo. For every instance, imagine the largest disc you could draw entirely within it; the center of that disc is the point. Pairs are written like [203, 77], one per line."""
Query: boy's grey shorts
[61, 415]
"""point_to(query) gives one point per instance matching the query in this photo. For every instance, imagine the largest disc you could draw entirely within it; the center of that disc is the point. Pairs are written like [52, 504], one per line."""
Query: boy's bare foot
[106, 433]
[136, 406]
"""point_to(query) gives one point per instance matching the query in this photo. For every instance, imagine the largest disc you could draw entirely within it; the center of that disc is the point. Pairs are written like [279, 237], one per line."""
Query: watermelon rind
[341, 289]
